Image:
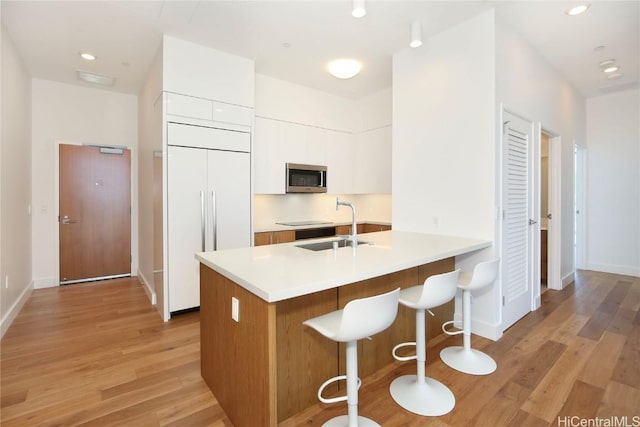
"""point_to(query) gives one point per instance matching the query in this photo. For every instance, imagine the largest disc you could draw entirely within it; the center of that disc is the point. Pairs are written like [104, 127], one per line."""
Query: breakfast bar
[261, 363]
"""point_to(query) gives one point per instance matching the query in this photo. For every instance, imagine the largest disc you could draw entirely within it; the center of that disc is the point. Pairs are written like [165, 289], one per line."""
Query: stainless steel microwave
[306, 178]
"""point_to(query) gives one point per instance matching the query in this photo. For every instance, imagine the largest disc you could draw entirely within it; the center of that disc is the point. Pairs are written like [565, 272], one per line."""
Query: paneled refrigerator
[208, 202]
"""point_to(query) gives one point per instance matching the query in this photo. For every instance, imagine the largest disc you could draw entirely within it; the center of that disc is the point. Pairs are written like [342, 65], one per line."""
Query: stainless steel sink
[322, 246]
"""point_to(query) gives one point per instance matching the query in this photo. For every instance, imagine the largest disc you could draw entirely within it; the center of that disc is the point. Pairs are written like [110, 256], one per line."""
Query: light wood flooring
[98, 354]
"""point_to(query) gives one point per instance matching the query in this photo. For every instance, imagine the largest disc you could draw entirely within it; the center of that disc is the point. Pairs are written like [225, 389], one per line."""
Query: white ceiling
[125, 36]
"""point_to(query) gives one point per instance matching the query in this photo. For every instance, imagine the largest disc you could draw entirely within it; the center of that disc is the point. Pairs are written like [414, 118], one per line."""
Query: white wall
[280, 100]
[150, 219]
[443, 133]
[15, 184]
[526, 84]
[63, 113]
[613, 183]
[196, 70]
[444, 145]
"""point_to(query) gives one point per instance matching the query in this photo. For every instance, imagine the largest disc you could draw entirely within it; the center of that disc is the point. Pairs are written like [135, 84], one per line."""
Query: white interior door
[518, 224]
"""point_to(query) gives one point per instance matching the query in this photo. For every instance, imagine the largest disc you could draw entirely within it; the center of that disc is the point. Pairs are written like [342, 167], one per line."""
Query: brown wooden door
[95, 213]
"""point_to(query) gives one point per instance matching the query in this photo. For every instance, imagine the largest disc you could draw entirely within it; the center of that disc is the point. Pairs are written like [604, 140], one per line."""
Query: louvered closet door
[516, 238]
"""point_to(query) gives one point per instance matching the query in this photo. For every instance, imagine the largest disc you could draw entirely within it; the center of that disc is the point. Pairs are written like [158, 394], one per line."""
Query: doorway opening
[578, 207]
[545, 213]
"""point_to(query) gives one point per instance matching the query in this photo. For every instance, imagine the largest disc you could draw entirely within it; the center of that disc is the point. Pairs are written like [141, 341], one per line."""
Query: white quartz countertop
[279, 272]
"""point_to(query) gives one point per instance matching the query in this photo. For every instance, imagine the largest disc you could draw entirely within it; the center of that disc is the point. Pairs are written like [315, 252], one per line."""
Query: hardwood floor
[98, 354]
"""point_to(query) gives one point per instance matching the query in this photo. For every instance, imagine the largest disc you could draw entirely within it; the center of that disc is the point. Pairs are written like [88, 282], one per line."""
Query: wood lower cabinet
[372, 228]
[273, 237]
[343, 230]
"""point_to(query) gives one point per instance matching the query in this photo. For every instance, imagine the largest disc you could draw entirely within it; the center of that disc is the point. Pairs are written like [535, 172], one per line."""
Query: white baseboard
[486, 330]
[10, 315]
[568, 279]
[47, 282]
[151, 293]
[626, 270]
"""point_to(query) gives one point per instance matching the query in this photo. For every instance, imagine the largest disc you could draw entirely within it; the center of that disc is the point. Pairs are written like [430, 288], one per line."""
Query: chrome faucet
[354, 233]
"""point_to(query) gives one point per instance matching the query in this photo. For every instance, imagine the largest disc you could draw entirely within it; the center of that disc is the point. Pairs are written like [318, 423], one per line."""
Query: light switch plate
[235, 309]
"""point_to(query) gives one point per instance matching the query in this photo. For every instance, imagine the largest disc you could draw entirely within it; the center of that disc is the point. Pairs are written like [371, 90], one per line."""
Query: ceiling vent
[95, 78]
[619, 87]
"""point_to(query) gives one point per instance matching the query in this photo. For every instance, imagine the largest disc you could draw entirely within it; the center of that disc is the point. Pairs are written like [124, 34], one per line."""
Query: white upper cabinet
[196, 70]
[277, 143]
[297, 124]
[270, 156]
[341, 150]
[206, 112]
[373, 161]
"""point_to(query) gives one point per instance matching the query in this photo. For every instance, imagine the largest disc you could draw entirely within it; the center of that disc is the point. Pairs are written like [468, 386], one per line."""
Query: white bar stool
[418, 393]
[465, 359]
[360, 318]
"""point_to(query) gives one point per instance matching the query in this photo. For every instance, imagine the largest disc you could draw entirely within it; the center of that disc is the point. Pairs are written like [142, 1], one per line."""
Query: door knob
[66, 220]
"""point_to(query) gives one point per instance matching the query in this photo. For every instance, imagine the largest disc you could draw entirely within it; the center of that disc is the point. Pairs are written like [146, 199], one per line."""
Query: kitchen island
[266, 366]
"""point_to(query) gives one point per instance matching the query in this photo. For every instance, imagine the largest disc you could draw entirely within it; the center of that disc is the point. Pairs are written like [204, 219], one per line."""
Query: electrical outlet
[235, 309]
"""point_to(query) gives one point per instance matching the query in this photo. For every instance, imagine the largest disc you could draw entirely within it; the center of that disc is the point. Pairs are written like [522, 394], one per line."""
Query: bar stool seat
[360, 318]
[466, 359]
[418, 393]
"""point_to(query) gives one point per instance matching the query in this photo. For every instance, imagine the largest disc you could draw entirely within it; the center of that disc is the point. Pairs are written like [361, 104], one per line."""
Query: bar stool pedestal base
[431, 398]
[469, 361]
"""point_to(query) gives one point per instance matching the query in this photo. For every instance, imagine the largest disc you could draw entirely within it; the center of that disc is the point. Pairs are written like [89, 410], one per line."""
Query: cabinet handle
[202, 220]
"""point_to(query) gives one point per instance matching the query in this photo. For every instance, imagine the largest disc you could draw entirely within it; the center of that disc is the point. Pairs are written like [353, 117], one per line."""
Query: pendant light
[358, 10]
[416, 34]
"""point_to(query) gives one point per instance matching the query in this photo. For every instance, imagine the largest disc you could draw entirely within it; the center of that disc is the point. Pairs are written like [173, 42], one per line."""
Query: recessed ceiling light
[610, 69]
[615, 76]
[344, 68]
[577, 10]
[88, 56]
[606, 63]
[286, 45]
[599, 48]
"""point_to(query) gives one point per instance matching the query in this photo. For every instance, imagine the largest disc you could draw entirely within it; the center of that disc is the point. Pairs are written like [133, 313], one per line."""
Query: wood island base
[268, 366]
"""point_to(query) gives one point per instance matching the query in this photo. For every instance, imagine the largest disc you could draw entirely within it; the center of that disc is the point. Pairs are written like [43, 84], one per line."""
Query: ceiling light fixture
[344, 68]
[88, 56]
[615, 76]
[610, 69]
[577, 10]
[416, 34]
[100, 79]
[358, 10]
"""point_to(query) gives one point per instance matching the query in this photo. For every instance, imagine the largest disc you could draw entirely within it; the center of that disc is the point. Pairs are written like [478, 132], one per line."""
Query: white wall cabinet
[208, 202]
[278, 142]
[373, 161]
[356, 164]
